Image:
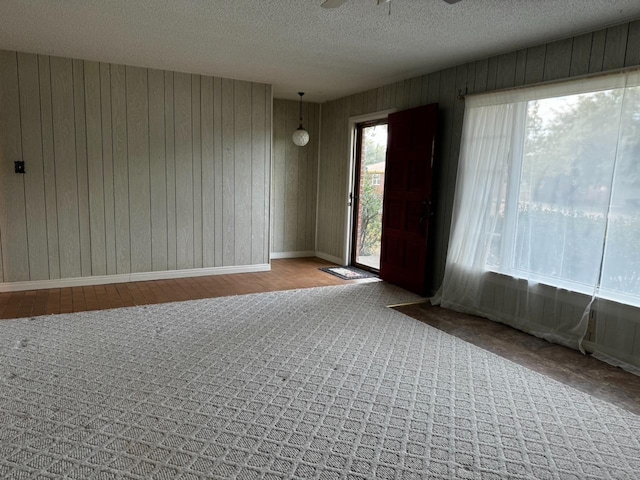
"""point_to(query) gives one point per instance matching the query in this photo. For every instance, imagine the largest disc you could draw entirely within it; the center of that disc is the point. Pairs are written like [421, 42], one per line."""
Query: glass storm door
[371, 152]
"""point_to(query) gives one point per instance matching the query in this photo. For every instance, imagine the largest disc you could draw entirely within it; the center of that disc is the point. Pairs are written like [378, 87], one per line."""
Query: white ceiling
[295, 44]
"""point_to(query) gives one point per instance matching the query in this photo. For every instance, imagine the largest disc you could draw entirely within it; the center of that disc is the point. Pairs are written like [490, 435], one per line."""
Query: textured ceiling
[295, 44]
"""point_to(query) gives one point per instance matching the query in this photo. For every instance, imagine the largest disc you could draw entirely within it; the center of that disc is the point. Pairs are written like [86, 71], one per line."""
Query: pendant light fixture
[300, 136]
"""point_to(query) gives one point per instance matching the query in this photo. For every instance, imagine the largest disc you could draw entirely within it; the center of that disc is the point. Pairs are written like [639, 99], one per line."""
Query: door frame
[350, 180]
[357, 179]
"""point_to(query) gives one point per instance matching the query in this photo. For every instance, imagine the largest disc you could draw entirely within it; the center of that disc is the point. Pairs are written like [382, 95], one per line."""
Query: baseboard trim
[131, 277]
[329, 258]
[300, 254]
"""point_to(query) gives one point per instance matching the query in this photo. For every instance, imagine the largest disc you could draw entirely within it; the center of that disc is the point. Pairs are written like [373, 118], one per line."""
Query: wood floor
[284, 275]
[562, 364]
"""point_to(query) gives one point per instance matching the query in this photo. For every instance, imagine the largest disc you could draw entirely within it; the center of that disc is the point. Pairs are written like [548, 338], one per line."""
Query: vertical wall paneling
[302, 196]
[387, 97]
[618, 334]
[13, 226]
[305, 174]
[312, 176]
[242, 174]
[372, 100]
[355, 104]
[279, 160]
[138, 156]
[107, 170]
[393, 98]
[615, 47]
[342, 107]
[305, 227]
[324, 174]
[392, 95]
[521, 67]
[342, 152]
[481, 75]
[95, 168]
[65, 164]
[406, 99]
[506, 70]
[632, 56]
[130, 170]
[362, 102]
[170, 153]
[34, 193]
[48, 159]
[295, 179]
[228, 173]
[399, 99]
[184, 169]
[258, 188]
[208, 172]
[415, 96]
[534, 72]
[425, 90]
[328, 203]
[197, 171]
[379, 98]
[557, 60]
[597, 51]
[470, 84]
[328, 178]
[492, 73]
[268, 139]
[81, 167]
[292, 160]
[433, 94]
[580, 55]
[217, 171]
[120, 168]
[157, 170]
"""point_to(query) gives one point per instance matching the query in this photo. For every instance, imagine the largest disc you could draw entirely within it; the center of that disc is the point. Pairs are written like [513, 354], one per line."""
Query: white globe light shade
[300, 137]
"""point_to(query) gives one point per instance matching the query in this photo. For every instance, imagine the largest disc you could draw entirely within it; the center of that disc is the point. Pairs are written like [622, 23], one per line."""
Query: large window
[569, 210]
[546, 216]
[549, 186]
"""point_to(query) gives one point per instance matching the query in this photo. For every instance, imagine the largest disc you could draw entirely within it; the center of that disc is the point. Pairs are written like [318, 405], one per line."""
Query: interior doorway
[367, 200]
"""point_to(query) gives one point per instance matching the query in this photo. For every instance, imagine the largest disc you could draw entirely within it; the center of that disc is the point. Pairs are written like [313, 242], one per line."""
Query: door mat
[348, 273]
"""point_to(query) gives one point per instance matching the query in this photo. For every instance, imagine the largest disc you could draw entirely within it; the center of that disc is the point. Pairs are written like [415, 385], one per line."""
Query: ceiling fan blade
[333, 3]
[451, 2]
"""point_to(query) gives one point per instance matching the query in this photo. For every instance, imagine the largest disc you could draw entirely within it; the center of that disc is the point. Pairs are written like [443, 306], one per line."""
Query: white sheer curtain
[547, 209]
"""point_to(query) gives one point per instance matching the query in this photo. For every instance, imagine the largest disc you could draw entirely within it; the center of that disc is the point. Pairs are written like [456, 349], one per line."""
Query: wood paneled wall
[295, 178]
[602, 50]
[129, 169]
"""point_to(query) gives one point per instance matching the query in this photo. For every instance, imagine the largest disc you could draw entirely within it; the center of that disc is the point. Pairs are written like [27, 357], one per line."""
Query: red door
[407, 197]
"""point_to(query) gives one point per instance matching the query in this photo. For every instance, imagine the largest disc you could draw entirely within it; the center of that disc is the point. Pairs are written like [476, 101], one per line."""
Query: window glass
[621, 269]
[572, 189]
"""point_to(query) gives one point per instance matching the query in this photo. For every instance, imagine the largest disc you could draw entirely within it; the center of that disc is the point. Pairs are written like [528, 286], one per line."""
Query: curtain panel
[546, 219]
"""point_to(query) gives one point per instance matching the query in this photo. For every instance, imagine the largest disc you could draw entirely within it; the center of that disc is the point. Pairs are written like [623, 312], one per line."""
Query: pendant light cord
[300, 110]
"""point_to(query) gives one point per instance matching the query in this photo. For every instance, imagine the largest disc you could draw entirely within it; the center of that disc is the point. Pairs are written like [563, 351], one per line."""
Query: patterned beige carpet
[322, 383]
